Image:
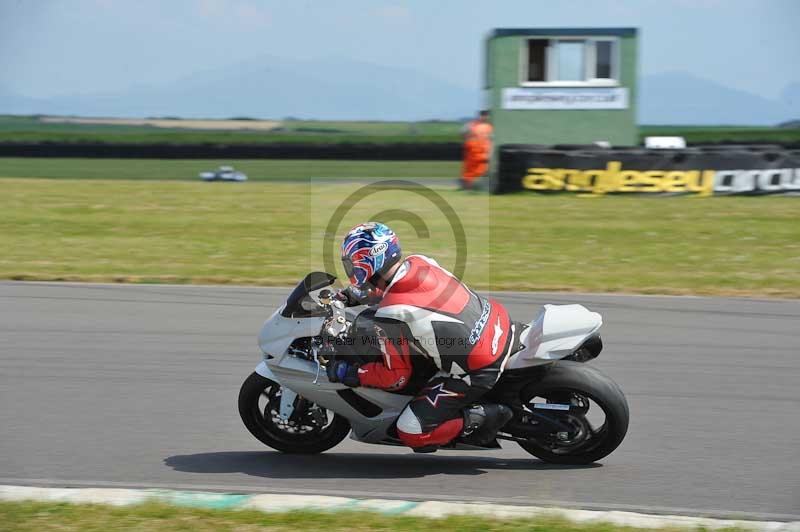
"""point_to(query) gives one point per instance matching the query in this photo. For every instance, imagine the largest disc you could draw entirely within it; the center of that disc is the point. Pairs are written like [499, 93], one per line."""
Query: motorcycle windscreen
[313, 281]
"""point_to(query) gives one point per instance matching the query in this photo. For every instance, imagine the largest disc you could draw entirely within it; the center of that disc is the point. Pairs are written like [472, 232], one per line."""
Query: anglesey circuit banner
[711, 171]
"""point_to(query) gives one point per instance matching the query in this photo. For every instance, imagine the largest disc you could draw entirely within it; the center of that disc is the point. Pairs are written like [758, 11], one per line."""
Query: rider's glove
[352, 296]
[348, 296]
[344, 296]
[342, 371]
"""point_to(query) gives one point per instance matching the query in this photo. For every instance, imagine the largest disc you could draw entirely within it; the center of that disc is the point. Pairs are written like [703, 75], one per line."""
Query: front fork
[287, 403]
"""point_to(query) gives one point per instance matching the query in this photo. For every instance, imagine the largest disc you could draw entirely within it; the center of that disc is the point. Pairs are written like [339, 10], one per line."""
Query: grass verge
[714, 134]
[271, 234]
[36, 516]
[32, 129]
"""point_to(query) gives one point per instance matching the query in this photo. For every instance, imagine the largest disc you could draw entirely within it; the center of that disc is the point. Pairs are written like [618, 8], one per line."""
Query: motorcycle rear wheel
[273, 432]
[577, 382]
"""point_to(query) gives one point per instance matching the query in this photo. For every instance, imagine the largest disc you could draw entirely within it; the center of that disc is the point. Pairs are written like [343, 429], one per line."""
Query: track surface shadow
[351, 465]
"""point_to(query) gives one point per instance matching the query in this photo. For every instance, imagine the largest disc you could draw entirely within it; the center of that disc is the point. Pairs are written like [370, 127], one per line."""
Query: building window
[571, 62]
[537, 52]
[603, 58]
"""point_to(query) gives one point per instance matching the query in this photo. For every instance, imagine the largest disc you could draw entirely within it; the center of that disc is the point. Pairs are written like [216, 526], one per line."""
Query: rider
[425, 314]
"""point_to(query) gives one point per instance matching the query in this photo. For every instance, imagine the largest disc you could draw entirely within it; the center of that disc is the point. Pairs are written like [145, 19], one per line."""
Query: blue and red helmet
[368, 249]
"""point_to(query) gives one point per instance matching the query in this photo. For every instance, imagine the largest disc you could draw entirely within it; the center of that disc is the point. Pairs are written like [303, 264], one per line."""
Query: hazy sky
[50, 47]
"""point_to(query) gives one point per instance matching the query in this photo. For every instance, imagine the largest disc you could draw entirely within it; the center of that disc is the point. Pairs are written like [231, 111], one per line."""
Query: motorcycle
[565, 411]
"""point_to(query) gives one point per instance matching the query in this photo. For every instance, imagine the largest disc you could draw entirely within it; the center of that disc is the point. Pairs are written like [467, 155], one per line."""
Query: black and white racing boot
[482, 421]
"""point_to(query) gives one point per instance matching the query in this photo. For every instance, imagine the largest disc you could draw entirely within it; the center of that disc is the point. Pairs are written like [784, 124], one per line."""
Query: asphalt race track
[104, 385]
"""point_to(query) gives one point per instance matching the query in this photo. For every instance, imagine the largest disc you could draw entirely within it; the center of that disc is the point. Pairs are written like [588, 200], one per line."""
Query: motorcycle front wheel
[310, 430]
[597, 421]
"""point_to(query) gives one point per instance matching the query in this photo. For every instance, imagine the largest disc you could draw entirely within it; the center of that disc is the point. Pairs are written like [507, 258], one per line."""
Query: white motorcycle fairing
[556, 333]
[306, 378]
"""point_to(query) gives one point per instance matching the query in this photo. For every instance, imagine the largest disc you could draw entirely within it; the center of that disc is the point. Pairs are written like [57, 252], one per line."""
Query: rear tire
[270, 434]
[566, 376]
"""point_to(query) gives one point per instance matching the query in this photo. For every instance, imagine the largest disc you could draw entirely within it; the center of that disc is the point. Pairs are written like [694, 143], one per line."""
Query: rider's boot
[482, 421]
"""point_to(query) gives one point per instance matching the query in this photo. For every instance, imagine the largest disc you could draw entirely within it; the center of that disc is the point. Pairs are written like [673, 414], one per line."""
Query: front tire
[309, 436]
[570, 381]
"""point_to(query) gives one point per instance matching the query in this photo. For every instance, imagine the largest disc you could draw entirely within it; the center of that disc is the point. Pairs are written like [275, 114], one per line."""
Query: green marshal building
[562, 85]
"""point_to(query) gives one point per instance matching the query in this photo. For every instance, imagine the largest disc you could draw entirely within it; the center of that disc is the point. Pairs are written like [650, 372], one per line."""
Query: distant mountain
[791, 97]
[326, 89]
[340, 89]
[682, 98]
[11, 103]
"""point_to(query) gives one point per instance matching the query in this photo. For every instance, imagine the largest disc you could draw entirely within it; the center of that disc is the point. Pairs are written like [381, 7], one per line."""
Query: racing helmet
[369, 249]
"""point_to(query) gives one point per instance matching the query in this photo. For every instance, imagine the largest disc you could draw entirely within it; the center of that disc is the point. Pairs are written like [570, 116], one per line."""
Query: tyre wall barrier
[703, 171]
[449, 151]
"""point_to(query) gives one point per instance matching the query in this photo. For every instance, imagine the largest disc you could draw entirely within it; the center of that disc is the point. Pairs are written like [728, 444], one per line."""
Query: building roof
[567, 32]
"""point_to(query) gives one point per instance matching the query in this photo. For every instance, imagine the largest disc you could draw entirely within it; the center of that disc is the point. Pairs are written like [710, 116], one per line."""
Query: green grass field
[271, 234]
[36, 516]
[734, 134]
[30, 129]
[256, 169]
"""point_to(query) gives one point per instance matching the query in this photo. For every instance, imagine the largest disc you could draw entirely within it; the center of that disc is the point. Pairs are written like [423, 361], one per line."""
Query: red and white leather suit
[426, 312]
